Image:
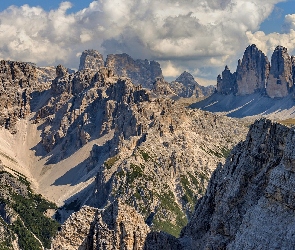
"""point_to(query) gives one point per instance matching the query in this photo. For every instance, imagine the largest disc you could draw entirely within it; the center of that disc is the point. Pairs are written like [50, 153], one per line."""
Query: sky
[200, 37]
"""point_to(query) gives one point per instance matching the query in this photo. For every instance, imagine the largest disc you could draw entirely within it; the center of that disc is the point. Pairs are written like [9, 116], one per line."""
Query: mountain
[255, 74]
[249, 204]
[186, 86]
[94, 138]
[257, 88]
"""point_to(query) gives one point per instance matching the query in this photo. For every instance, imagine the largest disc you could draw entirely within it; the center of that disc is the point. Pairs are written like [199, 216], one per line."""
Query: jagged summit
[91, 59]
[252, 72]
[186, 86]
[255, 74]
[142, 72]
[280, 81]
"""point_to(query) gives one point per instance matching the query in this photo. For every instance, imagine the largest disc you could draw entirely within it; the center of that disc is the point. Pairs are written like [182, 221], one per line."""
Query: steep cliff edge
[249, 203]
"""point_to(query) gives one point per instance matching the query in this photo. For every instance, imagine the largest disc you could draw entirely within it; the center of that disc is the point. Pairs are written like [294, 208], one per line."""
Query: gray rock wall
[255, 74]
[280, 79]
[252, 71]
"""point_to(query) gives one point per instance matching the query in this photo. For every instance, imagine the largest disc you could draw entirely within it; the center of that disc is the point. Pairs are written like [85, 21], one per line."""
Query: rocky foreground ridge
[255, 73]
[249, 204]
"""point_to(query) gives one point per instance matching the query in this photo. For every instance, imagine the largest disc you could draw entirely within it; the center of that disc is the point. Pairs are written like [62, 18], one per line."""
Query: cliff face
[142, 72]
[248, 203]
[255, 74]
[227, 84]
[18, 82]
[91, 59]
[252, 71]
[118, 226]
[280, 79]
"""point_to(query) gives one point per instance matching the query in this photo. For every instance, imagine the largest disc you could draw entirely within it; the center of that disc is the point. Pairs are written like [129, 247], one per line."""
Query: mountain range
[257, 88]
[111, 157]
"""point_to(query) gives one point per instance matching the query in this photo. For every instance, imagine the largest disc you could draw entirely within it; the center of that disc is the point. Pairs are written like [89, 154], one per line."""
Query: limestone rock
[142, 72]
[118, 226]
[91, 59]
[249, 201]
[186, 86]
[162, 88]
[280, 78]
[18, 81]
[255, 74]
[252, 71]
[227, 84]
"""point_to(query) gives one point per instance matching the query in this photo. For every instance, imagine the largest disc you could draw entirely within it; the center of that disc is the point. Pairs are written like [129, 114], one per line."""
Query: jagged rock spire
[280, 79]
[252, 71]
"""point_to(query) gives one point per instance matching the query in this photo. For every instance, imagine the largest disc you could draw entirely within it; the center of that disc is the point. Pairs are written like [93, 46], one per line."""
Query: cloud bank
[199, 36]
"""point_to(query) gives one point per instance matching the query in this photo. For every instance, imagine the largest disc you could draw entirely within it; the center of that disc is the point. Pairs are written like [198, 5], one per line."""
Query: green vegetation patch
[167, 202]
[31, 209]
[145, 155]
[26, 239]
[136, 172]
[111, 161]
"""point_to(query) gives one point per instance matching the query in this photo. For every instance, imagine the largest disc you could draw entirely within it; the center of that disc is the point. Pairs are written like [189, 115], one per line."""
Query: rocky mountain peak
[91, 59]
[280, 80]
[255, 74]
[226, 84]
[252, 71]
[142, 72]
[186, 78]
[186, 86]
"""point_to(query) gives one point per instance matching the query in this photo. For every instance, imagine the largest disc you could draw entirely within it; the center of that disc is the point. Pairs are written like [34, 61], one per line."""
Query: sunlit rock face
[252, 71]
[255, 74]
[142, 72]
[91, 59]
[280, 79]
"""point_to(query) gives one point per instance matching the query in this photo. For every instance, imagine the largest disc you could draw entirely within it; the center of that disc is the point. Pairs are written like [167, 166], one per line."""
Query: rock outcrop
[118, 226]
[162, 88]
[255, 74]
[227, 84]
[249, 203]
[142, 72]
[252, 71]
[280, 80]
[18, 81]
[186, 86]
[91, 59]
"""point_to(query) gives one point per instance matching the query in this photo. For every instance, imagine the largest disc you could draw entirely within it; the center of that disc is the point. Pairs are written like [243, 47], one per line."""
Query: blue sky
[197, 36]
[275, 22]
[47, 5]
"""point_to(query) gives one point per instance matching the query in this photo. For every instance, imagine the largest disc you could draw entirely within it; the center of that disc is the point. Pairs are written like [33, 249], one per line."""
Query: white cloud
[188, 34]
[267, 43]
